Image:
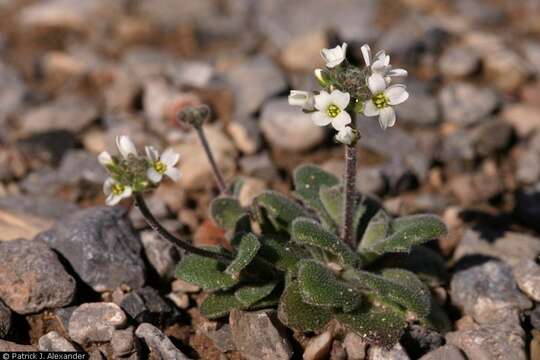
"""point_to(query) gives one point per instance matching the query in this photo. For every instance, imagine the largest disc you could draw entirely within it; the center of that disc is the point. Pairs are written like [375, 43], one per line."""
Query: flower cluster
[131, 173]
[348, 90]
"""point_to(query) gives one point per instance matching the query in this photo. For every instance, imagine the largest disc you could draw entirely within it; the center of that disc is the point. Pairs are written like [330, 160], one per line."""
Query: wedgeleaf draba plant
[332, 259]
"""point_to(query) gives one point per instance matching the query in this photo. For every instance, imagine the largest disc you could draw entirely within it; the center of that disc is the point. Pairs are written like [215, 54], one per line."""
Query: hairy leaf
[281, 253]
[279, 209]
[205, 272]
[228, 214]
[248, 295]
[246, 252]
[219, 304]
[376, 230]
[320, 286]
[309, 232]
[332, 200]
[297, 314]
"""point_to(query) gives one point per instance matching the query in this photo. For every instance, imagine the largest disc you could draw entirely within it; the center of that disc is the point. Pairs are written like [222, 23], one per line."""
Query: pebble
[486, 291]
[5, 320]
[522, 117]
[146, 305]
[287, 128]
[12, 92]
[161, 254]
[318, 347]
[259, 166]
[302, 53]
[395, 353]
[270, 344]
[161, 347]
[527, 275]
[95, 322]
[446, 352]
[222, 338]
[251, 188]
[100, 245]
[355, 346]
[6, 346]
[528, 167]
[466, 104]
[53, 341]
[32, 278]
[459, 62]
[419, 110]
[246, 135]
[490, 137]
[123, 342]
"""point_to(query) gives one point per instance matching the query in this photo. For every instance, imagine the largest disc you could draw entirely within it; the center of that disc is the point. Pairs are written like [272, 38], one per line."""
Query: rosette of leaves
[288, 254]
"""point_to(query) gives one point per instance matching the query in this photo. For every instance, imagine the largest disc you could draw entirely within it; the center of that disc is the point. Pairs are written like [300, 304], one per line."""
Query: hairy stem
[157, 227]
[350, 193]
[215, 169]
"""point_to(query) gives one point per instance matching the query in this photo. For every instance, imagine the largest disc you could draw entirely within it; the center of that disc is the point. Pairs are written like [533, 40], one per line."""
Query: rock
[254, 81]
[179, 285]
[466, 104]
[270, 344]
[6, 346]
[420, 110]
[457, 147]
[522, 117]
[63, 315]
[534, 316]
[46, 208]
[259, 166]
[480, 12]
[486, 291]
[123, 342]
[195, 168]
[95, 322]
[5, 320]
[53, 341]
[528, 167]
[459, 62]
[355, 346]
[446, 352]
[337, 352]
[222, 338]
[420, 340]
[527, 206]
[69, 113]
[146, 305]
[527, 275]
[12, 93]
[477, 187]
[490, 137]
[101, 247]
[246, 135]
[156, 202]
[179, 299]
[288, 128]
[161, 254]
[531, 51]
[497, 341]
[318, 347]
[161, 347]
[16, 226]
[395, 353]
[302, 53]
[32, 278]
[251, 188]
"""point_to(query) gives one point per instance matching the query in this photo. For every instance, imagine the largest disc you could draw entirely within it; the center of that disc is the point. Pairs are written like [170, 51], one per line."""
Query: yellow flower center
[160, 167]
[333, 110]
[380, 100]
[117, 189]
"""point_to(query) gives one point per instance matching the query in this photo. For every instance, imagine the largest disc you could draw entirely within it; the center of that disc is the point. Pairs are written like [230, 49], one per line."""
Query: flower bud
[194, 116]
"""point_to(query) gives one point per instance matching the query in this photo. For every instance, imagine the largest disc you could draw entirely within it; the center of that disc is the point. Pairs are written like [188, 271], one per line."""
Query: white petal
[345, 135]
[387, 117]
[105, 158]
[170, 157]
[334, 56]
[112, 200]
[125, 146]
[370, 109]
[366, 54]
[397, 72]
[298, 98]
[340, 98]
[376, 83]
[320, 118]
[153, 175]
[173, 173]
[322, 100]
[380, 56]
[127, 192]
[396, 94]
[151, 153]
[107, 185]
[341, 120]
[387, 60]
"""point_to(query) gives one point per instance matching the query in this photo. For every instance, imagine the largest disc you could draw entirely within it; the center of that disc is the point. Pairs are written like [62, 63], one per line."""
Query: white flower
[162, 165]
[303, 99]
[115, 191]
[331, 109]
[380, 64]
[125, 146]
[334, 56]
[346, 135]
[105, 159]
[383, 99]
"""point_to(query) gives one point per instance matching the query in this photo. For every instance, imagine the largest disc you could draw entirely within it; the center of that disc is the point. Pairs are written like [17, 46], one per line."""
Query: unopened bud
[194, 116]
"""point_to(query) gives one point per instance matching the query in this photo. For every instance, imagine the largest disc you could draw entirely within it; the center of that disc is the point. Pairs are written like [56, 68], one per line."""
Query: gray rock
[288, 128]
[123, 342]
[490, 137]
[254, 81]
[528, 166]
[101, 247]
[259, 166]
[446, 352]
[534, 316]
[146, 305]
[95, 322]
[11, 95]
[355, 346]
[419, 110]
[395, 353]
[32, 278]
[457, 147]
[527, 275]
[501, 340]
[161, 254]
[370, 180]
[53, 341]
[270, 344]
[157, 205]
[159, 344]
[11, 346]
[466, 104]
[40, 206]
[222, 338]
[396, 143]
[5, 320]
[532, 52]
[246, 135]
[459, 62]
[487, 291]
[63, 315]
[318, 347]
[480, 12]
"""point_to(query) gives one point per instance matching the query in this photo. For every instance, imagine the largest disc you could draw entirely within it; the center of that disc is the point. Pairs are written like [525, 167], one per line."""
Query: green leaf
[279, 209]
[376, 230]
[249, 295]
[309, 232]
[297, 314]
[270, 301]
[332, 200]
[320, 286]
[219, 304]
[228, 214]
[283, 254]
[377, 324]
[407, 232]
[247, 250]
[205, 272]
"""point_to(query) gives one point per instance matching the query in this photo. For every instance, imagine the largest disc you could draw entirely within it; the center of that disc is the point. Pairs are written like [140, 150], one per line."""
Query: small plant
[335, 259]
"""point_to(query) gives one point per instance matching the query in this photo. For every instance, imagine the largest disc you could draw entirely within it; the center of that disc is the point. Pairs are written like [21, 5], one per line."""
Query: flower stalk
[349, 199]
[218, 175]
